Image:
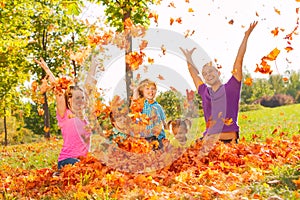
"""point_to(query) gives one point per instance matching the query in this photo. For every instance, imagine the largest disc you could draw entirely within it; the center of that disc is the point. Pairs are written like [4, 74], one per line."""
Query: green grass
[36, 155]
[260, 122]
[264, 121]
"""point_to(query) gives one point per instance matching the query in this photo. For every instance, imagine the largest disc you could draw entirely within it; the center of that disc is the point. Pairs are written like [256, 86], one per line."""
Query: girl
[70, 115]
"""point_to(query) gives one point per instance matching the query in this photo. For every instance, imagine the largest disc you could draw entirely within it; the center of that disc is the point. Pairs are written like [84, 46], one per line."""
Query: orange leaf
[172, 5]
[277, 11]
[248, 81]
[231, 22]
[171, 21]
[190, 10]
[134, 59]
[297, 10]
[227, 121]
[275, 31]
[173, 88]
[178, 20]
[40, 111]
[150, 60]
[143, 44]
[288, 49]
[153, 15]
[160, 77]
[285, 79]
[163, 48]
[46, 129]
[272, 55]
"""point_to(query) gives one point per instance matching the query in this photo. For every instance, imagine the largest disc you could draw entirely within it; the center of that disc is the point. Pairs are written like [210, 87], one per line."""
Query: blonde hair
[143, 84]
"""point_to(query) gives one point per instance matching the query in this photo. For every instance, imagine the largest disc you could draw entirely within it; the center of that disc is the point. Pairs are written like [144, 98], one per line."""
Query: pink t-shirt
[76, 138]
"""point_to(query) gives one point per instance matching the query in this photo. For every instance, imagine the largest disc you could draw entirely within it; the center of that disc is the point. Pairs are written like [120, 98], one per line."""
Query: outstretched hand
[188, 55]
[251, 27]
[45, 67]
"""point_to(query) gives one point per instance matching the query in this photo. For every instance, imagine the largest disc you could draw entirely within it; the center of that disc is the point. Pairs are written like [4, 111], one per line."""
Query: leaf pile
[225, 173]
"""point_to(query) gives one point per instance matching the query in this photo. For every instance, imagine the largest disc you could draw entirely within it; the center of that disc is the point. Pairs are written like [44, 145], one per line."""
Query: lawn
[265, 164]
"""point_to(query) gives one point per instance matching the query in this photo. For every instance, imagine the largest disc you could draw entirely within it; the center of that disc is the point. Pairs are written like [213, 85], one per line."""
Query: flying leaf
[231, 22]
[285, 79]
[40, 111]
[275, 31]
[150, 60]
[227, 121]
[172, 5]
[288, 49]
[134, 59]
[171, 21]
[153, 15]
[173, 89]
[143, 45]
[190, 10]
[160, 77]
[248, 81]
[163, 48]
[272, 55]
[277, 11]
[179, 20]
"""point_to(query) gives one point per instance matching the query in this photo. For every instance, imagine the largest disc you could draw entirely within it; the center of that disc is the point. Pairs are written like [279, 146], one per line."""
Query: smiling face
[76, 100]
[147, 89]
[211, 75]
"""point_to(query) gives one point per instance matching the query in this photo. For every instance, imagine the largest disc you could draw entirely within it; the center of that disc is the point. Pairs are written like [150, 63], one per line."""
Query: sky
[220, 39]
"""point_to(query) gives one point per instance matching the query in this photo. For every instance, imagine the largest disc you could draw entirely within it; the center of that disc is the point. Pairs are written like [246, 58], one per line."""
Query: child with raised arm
[71, 120]
[220, 102]
[147, 90]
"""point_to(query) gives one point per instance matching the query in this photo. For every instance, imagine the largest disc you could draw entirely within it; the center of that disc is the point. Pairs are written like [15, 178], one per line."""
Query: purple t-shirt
[221, 107]
[76, 138]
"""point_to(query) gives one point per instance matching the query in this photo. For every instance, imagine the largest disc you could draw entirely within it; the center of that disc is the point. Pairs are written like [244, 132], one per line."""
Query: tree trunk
[46, 117]
[5, 129]
[128, 72]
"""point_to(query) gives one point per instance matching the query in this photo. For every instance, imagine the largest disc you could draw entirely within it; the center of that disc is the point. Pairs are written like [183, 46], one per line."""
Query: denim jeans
[67, 161]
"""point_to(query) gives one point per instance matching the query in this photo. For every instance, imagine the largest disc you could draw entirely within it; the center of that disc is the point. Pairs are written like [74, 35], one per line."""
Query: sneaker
[55, 174]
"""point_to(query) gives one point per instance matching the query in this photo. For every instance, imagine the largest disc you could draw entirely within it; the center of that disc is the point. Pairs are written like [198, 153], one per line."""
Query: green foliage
[17, 133]
[273, 85]
[35, 123]
[259, 88]
[117, 11]
[172, 103]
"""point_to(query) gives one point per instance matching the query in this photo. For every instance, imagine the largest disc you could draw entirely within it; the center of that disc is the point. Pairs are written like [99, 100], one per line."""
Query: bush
[277, 100]
[297, 98]
[249, 107]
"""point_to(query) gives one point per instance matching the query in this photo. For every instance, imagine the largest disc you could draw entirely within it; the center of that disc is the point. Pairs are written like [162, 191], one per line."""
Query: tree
[14, 28]
[55, 35]
[117, 13]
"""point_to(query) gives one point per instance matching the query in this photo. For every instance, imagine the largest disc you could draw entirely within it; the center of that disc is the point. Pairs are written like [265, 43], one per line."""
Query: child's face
[149, 92]
[77, 101]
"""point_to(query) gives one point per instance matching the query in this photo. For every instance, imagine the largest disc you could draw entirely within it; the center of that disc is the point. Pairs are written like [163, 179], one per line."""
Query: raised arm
[60, 98]
[192, 67]
[90, 80]
[238, 64]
